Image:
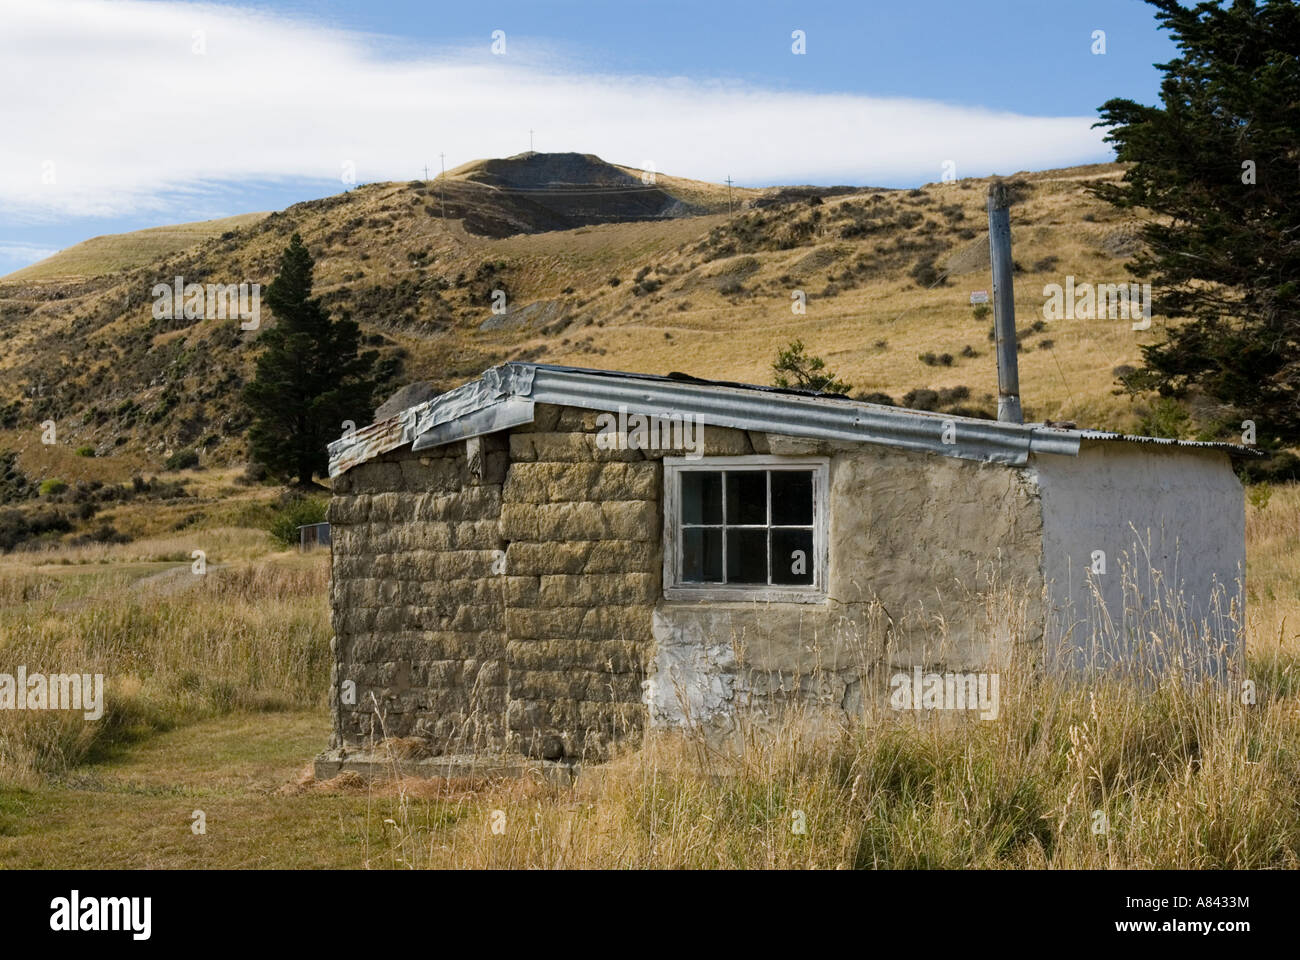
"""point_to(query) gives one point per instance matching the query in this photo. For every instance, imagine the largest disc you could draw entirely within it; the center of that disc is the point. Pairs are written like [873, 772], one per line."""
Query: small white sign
[979, 296]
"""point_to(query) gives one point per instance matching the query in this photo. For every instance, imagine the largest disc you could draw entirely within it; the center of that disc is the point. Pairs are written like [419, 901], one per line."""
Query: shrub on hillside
[1165, 418]
[284, 528]
[14, 485]
[927, 274]
[921, 398]
[951, 395]
[18, 527]
[104, 533]
[52, 487]
[930, 359]
[794, 368]
[1281, 467]
[9, 415]
[183, 459]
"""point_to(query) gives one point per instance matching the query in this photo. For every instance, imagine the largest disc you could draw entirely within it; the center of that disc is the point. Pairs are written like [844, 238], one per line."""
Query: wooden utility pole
[442, 187]
[728, 194]
[1004, 304]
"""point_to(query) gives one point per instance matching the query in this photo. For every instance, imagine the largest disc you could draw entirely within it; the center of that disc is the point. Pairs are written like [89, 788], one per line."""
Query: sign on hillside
[979, 296]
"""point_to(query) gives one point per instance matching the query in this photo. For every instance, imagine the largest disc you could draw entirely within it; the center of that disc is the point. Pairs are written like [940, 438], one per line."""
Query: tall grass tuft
[173, 646]
[1112, 769]
[1110, 774]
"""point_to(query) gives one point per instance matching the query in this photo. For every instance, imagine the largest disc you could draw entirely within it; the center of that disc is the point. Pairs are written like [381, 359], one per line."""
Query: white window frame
[675, 589]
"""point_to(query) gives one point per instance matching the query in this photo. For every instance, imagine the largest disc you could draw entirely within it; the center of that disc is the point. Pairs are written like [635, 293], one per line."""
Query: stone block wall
[496, 594]
[418, 599]
[583, 571]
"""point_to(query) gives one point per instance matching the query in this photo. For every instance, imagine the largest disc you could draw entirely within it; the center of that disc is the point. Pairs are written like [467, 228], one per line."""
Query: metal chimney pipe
[1004, 304]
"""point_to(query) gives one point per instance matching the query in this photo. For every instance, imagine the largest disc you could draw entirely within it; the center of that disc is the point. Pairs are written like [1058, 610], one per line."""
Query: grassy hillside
[116, 252]
[658, 277]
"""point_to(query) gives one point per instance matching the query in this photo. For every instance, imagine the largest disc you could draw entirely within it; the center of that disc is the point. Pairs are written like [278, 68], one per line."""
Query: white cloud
[108, 111]
[15, 254]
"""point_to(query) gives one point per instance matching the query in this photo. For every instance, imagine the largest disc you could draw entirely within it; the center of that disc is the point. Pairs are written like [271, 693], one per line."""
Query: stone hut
[547, 560]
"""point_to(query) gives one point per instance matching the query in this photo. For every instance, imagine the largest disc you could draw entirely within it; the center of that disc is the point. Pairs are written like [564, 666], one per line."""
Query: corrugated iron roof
[504, 396]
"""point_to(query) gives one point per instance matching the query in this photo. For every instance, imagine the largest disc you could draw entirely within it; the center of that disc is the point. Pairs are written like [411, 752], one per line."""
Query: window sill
[742, 595]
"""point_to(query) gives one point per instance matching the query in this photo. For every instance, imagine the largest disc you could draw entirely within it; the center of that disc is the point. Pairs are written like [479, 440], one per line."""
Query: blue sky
[935, 49]
[190, 111]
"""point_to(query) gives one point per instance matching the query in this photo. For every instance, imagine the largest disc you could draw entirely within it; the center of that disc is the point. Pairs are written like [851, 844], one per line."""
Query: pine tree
[1219, 165]
[309, 379]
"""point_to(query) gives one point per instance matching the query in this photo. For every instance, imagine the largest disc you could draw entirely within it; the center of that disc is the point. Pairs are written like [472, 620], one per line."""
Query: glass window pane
[747, 497]
[792, 556]
[701, 555]
[792, 497]
[746, 556]
[701, 497]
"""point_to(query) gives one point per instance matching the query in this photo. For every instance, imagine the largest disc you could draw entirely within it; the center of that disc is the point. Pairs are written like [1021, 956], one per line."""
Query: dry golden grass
[37, 459]
[1183, 776]
[370, 241]
[220, 545]
[172, 645]
[214, 500]
[1110, 775]
[1072, 380]
[1273, 567]
[123, 251]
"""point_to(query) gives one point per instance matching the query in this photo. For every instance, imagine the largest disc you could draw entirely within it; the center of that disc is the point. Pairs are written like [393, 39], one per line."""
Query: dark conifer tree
[1218, 164]
[310, 376]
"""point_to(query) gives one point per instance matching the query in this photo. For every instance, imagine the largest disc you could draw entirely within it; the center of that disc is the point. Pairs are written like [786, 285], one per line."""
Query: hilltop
[602, 265]
[537, 192]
